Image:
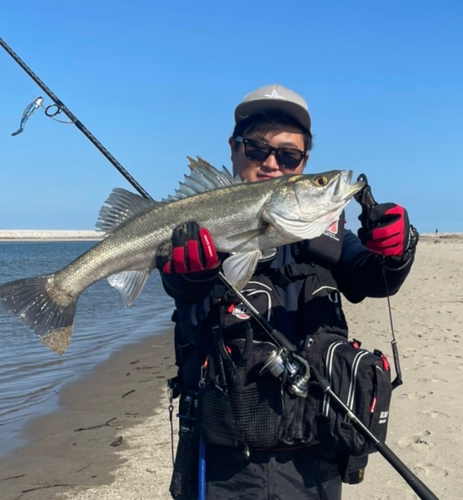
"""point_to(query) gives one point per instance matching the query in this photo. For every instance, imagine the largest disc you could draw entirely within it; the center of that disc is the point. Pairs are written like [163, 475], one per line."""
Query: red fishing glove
[192, 250]
[386, 230]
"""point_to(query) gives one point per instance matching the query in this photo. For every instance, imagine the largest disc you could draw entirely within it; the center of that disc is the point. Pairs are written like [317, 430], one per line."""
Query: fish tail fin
[43, 306]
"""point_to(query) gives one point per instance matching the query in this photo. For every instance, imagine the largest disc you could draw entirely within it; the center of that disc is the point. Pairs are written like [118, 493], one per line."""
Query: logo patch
[274, 95]
[334, 228]
[332, 231]
[241, 312]
[383, 417]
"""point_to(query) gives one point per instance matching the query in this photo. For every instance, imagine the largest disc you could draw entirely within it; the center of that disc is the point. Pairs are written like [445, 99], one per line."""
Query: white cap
[274, 98]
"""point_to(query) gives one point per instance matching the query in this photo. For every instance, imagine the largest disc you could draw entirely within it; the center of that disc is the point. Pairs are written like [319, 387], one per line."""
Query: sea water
[30, 374]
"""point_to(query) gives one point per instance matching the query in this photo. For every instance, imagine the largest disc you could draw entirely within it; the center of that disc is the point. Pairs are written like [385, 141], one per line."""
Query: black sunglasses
[255, 150]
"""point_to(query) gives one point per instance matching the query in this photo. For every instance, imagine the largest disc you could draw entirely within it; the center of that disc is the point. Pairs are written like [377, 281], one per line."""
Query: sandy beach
[111, 437]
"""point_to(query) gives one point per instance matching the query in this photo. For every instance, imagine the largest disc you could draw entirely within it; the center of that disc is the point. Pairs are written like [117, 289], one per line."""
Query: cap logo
[274, 95]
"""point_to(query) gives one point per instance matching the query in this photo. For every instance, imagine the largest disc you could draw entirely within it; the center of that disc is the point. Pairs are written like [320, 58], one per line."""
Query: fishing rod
[412, 480]
[62, 107]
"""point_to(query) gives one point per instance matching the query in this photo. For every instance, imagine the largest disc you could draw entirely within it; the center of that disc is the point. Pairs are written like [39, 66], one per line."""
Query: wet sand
[79, 444]
[425, 429]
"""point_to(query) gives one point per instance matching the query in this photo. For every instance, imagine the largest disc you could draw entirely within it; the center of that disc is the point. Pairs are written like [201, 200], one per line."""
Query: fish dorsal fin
[129, 284]
[202, 178]
[121, 206]
[218, 178]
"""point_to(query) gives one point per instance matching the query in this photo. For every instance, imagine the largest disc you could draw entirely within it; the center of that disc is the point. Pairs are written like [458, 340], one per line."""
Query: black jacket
[303, 290]
[357, 273]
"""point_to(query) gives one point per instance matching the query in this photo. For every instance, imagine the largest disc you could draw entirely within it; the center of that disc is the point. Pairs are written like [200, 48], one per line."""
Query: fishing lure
[28, 112]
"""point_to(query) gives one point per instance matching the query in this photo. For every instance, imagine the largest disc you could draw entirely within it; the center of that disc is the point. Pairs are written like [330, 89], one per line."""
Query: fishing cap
[274, 98]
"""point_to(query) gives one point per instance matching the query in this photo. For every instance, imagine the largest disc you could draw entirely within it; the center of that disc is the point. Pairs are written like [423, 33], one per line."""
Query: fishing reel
[292, 370]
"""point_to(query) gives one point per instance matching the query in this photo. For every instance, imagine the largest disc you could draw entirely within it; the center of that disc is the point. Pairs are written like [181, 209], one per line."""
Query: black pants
[305, 474]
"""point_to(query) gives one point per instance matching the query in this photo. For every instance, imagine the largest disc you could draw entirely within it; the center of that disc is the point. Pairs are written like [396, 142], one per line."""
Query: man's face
[253, 171]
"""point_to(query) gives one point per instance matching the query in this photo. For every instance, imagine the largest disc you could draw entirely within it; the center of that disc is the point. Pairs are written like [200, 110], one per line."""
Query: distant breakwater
[46, 235]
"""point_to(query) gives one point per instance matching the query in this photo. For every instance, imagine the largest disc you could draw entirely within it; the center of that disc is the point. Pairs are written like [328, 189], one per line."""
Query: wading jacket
[301, 284]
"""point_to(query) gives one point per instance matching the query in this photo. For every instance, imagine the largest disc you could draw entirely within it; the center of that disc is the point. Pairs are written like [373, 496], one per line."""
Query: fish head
[304, 206]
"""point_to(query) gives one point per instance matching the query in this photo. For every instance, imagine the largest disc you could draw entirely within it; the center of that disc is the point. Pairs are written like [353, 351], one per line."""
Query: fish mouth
[342, 189]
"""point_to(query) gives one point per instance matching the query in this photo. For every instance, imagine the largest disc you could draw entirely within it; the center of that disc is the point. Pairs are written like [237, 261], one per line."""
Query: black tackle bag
[362, 380]
[247, 411]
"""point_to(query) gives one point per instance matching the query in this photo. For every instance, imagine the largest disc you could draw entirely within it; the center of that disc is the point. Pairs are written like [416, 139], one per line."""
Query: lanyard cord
[395, 350]
[367, 202]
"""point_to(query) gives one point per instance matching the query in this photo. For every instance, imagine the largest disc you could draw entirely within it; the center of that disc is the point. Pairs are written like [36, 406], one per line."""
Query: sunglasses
[255, 150]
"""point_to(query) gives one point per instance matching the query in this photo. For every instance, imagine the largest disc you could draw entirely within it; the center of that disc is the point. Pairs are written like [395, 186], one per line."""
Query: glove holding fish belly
[189, 256]
[192, 251]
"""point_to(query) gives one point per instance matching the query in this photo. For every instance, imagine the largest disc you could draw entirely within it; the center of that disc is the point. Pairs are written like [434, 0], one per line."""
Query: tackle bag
[245, 411]
[243, 408]
[362, 380]
[253, 410]
[239, 406]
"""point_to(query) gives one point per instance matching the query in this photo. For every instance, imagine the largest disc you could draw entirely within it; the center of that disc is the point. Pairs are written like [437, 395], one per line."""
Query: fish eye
[320, 181]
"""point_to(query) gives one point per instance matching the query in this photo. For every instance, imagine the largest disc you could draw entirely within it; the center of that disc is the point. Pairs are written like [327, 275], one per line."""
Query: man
[298, 288]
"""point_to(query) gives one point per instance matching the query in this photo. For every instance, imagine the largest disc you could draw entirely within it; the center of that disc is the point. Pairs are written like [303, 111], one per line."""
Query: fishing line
[395, 349]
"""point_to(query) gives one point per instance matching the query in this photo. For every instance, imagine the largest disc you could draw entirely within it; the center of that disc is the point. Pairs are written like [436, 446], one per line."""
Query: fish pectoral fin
[121, 206]
[298, 228]
[239, 267]
[129, 284]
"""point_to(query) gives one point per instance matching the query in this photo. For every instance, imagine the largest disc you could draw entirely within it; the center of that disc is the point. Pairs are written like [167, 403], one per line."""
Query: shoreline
[79, 445]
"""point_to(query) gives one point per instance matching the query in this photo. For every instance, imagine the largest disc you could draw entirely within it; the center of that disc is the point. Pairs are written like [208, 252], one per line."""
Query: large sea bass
[243, 219]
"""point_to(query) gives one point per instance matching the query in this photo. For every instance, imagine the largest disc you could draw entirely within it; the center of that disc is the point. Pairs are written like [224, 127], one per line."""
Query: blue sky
[157, 81]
